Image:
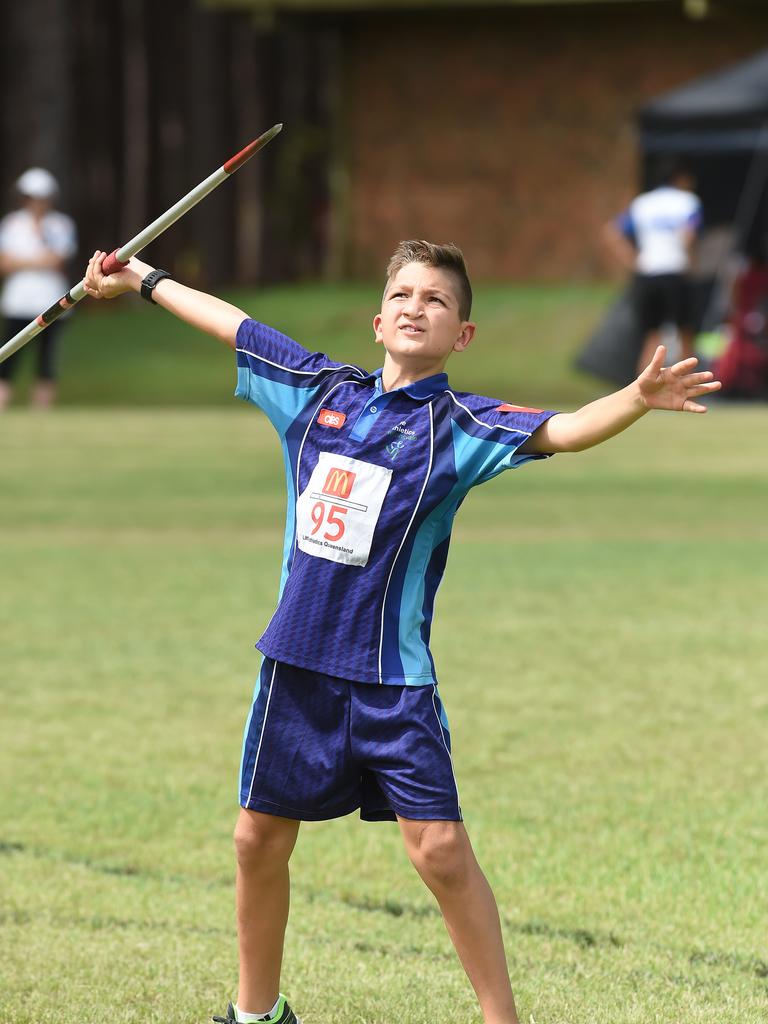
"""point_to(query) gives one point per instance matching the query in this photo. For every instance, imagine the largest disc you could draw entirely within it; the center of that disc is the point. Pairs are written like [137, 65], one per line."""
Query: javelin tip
[253, 147]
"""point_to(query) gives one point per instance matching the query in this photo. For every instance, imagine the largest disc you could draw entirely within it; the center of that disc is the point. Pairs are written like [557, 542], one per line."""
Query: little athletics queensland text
[327, 544]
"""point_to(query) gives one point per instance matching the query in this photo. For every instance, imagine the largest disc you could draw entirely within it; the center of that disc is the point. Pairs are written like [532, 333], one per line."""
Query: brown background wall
[509, 132]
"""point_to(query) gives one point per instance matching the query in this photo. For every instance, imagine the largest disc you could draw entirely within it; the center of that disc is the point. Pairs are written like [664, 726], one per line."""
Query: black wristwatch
[150, 282]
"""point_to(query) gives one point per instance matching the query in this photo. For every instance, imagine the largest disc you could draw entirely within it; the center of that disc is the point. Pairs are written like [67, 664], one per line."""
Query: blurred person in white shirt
[36, 240]
[653, 238]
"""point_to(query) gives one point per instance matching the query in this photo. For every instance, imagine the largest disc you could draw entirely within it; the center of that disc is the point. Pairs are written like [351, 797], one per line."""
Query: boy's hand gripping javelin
[120, 257]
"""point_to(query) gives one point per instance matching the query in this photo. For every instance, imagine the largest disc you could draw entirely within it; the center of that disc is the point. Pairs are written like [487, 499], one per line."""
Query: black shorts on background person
[661, 299]
[43, 349]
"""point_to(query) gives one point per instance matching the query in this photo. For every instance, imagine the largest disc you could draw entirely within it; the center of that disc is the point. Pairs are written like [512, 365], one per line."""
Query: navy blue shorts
[318, 747]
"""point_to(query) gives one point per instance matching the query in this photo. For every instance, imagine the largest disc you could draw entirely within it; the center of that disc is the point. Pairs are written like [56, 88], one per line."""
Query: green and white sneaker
[283, 1015]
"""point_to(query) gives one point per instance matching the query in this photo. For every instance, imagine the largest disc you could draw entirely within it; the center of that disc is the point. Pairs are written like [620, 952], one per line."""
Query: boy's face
[419, 322]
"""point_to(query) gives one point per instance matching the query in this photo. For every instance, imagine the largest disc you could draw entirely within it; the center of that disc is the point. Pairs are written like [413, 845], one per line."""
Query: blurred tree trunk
[131, 104]
[37, 106]
[303, 60]
[252, 120]
[207, 115]
[134, 210]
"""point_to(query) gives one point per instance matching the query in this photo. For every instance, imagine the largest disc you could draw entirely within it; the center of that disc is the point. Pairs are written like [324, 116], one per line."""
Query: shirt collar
[427, 387]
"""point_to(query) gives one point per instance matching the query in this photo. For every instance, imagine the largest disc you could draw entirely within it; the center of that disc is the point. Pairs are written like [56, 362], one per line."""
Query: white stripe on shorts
[450, 758]
[261, 737]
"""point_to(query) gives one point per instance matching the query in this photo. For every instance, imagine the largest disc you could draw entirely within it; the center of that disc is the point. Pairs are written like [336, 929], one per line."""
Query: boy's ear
[467, 334]
[377, 332]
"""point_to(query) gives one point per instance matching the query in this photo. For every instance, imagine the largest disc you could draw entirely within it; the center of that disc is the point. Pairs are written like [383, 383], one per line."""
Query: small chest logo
[330, 418]
[396, 445]
[339, 482]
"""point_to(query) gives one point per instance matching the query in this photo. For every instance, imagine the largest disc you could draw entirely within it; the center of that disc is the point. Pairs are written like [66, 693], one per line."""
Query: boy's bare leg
[264, 844]
[442, 854]
[6, 394]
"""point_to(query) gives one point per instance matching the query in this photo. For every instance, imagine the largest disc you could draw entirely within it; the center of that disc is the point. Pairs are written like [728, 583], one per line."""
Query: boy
[346, 712]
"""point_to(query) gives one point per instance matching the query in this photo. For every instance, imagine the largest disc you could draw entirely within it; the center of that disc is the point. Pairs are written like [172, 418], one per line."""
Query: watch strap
[150, 282]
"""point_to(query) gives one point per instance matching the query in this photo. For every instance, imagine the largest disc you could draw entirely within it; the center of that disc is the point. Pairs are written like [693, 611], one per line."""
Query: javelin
[119, 258]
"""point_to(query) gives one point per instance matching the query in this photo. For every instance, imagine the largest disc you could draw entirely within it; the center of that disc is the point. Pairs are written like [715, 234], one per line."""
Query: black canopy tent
[718, 124]
[718, 112]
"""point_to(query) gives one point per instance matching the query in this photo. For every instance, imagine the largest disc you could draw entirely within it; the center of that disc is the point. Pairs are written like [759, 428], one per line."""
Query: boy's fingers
[704, 389]
[653, 369]
[698, 378]
[98, 272]
[93, 275]
[658, 357]
[684, 366]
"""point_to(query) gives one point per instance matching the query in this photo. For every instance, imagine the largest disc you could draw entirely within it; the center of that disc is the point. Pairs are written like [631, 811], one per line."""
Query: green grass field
[601, 641]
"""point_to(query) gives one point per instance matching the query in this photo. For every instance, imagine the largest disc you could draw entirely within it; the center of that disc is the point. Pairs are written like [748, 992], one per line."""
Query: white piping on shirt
[303, 373]
[490, 426]
[413, 516]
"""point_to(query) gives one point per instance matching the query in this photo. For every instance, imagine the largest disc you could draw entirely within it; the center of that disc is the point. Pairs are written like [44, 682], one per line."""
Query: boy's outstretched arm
[206, 312]
[658, 387]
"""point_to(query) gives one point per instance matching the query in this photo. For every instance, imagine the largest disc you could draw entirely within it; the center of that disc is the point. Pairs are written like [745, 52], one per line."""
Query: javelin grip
[112, 264]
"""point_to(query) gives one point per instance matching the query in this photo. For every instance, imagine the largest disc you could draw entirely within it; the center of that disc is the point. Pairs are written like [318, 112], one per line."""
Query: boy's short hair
[443, 257]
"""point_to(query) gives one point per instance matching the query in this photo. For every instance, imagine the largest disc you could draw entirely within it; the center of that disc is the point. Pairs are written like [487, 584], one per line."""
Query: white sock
[253, 1018]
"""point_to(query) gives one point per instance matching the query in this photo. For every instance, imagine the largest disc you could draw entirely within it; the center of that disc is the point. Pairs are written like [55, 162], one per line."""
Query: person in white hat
[36, 240]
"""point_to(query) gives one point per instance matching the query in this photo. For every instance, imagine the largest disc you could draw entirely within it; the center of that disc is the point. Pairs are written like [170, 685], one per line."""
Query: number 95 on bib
[337, 512]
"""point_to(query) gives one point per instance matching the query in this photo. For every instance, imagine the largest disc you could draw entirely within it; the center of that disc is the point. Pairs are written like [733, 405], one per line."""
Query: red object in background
[743, 367]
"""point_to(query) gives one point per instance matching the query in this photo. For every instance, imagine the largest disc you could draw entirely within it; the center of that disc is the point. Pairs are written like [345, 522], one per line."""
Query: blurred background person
[36, 240]
[744, 364]
[654, 238]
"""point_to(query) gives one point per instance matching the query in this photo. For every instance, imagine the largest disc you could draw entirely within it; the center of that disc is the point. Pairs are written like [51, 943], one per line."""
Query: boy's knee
[262, 840]
[440, 852]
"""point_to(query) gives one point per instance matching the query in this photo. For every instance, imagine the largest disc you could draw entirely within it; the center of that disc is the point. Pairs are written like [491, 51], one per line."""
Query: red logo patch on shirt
[329, 418]
[339, 482]
[506, 407]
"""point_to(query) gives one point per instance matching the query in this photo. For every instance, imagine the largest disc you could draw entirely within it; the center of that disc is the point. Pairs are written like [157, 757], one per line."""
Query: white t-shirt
[26, 293]
[658, 222]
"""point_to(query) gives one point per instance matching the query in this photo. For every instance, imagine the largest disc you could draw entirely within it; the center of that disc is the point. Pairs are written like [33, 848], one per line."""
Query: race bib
[337, 512]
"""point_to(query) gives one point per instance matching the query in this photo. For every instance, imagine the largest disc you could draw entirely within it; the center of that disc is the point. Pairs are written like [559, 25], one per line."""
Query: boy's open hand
[100, 286]
[675, 387]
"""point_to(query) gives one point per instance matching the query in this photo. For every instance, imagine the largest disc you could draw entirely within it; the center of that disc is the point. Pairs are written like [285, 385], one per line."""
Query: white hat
[37, 183]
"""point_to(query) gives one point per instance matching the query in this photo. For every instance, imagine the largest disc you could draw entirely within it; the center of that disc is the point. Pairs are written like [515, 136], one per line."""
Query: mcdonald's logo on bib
[339, 482]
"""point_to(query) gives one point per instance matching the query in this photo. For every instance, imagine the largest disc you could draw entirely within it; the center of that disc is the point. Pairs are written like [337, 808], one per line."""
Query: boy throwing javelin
[377, 465]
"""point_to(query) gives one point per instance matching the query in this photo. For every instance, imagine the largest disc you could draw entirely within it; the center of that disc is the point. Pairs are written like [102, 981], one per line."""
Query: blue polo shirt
[374, 481]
